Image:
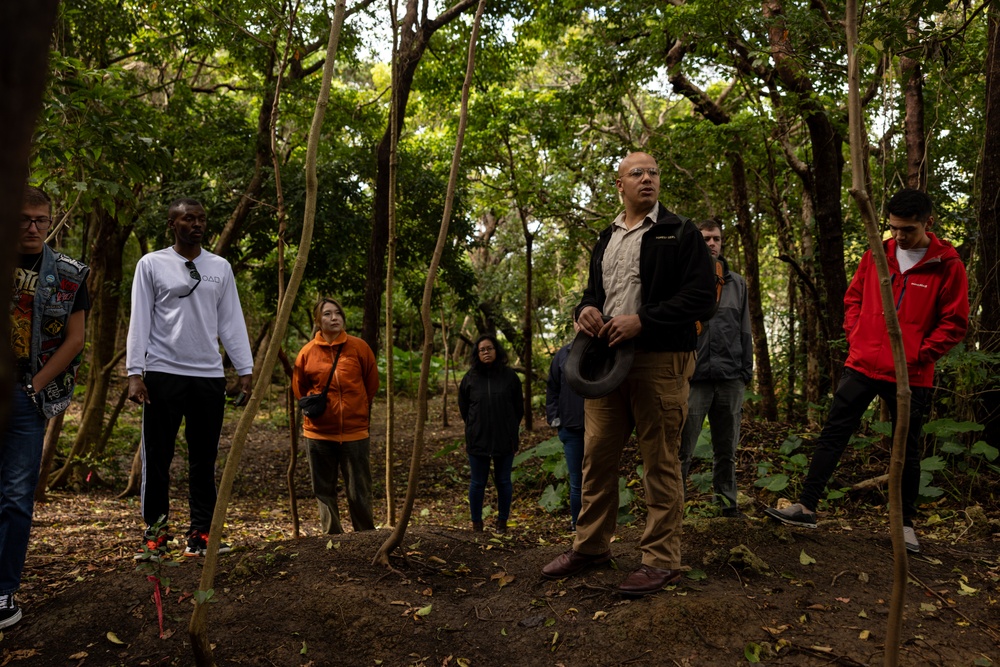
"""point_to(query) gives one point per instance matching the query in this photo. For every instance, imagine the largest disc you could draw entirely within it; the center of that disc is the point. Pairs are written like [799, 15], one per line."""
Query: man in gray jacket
[725, 366]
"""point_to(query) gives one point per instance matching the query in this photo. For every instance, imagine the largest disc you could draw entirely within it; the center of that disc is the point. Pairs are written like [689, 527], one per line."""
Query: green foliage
[955, 457]
[792, 464]
[406, 371]
[555, 496]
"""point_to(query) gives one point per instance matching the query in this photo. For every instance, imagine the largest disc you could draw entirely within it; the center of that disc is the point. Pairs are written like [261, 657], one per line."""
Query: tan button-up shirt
[623, 291]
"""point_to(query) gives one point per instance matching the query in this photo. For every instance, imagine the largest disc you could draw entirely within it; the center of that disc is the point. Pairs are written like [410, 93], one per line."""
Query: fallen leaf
[78, 656]
[822, 649]
[844, 600]
[928, 606]
[966, 590]
[167, 634]
[805, 558]
[427, 592]
[863, 577]
[598, 615]
[818, 607]
[400, 603]
[863, 614]
[113, 638]
[424, 611]
[435, 559]
[864, 634]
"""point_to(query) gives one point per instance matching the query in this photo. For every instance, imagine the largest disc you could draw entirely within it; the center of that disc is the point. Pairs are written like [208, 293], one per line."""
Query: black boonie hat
[593, 369]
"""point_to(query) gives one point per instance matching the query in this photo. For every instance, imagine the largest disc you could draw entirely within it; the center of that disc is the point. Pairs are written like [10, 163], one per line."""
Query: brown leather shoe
[573, 562]
[648, 579]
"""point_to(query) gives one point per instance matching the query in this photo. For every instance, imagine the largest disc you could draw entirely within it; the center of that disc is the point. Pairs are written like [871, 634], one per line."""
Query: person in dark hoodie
[564, 411]
[931, 292]
[492, 407]
[724, 368]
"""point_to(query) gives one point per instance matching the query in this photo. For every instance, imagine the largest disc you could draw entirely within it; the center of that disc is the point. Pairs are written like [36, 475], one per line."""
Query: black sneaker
[197, 545]
[793, 515]
[10, 613]
[153, 547]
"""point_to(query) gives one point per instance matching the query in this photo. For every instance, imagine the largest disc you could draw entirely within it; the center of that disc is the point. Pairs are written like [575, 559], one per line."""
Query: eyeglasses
[486, 349]
[41, 224]
[639, 171]
[193, 272]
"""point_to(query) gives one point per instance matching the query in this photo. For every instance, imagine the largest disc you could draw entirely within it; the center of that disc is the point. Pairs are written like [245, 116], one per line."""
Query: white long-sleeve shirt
[181, 335]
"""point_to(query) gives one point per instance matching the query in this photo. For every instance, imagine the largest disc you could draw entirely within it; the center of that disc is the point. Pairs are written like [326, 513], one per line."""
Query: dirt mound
[753, 590]
[462, 598]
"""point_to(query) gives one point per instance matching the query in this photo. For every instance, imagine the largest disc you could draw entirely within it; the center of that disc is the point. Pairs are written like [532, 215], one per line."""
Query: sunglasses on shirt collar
[193, 272]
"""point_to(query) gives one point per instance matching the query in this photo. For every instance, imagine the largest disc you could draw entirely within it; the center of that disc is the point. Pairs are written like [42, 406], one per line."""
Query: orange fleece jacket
[352, 389]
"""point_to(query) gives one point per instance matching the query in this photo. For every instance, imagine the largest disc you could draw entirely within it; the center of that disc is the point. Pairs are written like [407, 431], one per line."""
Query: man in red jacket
[931, 292]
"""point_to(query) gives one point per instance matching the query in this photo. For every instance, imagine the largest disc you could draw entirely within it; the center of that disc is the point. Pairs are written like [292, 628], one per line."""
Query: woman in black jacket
[492, 407]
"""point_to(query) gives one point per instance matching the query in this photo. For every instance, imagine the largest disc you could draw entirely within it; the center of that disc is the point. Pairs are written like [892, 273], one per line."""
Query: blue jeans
[572, 440]
[479, 471]
[20, 457]
[722, 402]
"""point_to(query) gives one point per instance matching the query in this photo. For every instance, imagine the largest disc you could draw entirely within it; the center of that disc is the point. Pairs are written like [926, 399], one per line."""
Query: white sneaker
[910, 537]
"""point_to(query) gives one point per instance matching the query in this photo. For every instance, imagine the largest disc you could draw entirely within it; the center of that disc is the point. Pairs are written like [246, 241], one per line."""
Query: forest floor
[755, 591]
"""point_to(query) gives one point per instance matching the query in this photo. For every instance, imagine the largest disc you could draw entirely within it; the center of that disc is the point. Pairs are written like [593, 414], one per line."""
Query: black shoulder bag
[314, 405]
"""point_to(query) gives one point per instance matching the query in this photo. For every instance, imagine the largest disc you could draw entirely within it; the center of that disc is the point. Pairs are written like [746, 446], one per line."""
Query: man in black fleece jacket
[651, 274]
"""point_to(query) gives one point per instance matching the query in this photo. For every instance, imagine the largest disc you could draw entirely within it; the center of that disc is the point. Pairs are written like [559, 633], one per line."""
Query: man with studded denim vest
[48, 310]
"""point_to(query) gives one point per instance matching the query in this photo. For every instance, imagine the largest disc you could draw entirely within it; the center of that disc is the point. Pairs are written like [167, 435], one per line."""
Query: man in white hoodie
[184, 302]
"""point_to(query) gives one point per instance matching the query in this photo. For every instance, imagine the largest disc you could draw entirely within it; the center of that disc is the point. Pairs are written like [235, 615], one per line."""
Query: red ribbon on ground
[159, 600]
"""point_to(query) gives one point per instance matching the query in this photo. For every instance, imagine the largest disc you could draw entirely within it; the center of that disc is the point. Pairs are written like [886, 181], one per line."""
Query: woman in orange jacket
[338, 439]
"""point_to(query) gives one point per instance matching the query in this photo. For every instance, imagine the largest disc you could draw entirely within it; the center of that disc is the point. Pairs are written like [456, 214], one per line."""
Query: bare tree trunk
[293, 458]
[52, 432]
[447, 364]
[293, 442]
[765, 379]
[415, 33]
[396, 537]
[24, 58]
[133, 487]
[827, 166]
[197, 628]
[526, 337]
[916, 143]
[390, 275]
[109, 427]
[860, 195]
[107, 244]
[988, 270]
